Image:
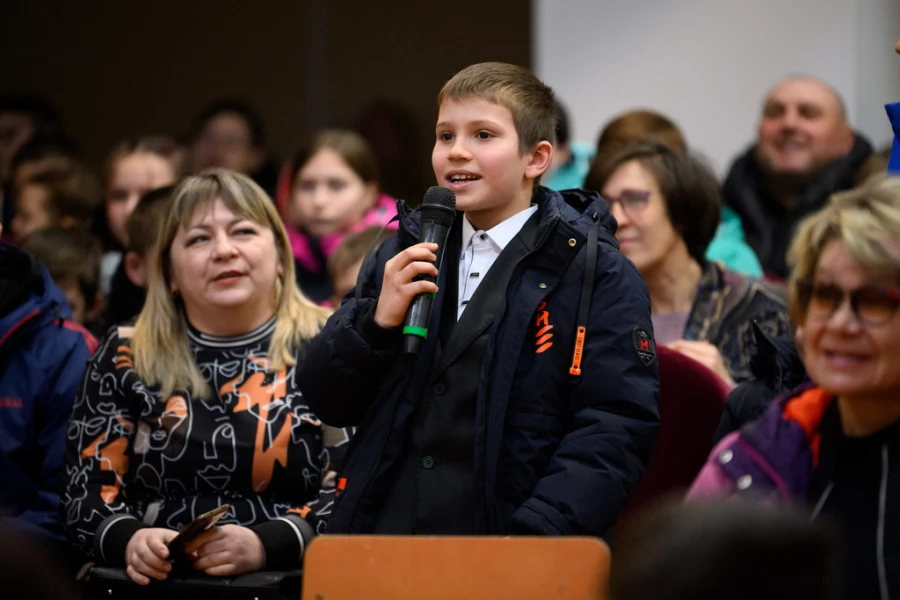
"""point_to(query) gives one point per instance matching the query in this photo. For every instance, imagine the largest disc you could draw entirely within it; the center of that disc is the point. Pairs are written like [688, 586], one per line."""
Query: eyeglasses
[872, 304]
[632, 201]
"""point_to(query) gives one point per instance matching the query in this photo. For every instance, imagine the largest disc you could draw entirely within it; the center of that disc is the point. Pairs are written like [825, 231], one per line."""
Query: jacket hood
[28, 297]
[776, 358]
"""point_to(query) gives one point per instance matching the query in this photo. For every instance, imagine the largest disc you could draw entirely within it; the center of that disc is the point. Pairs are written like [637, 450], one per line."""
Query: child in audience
[229, 133]
[345, 263]
[134, 168]
[62, 195]
[334, 192]
[22, 117]
[129, 283]
[72, 256]
[40, 153]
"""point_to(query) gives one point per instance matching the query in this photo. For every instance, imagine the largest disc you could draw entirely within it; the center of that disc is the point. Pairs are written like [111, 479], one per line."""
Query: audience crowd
[201, 324]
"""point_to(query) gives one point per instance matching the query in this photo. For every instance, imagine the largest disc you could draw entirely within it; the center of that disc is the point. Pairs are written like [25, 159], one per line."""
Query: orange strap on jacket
[587, 290]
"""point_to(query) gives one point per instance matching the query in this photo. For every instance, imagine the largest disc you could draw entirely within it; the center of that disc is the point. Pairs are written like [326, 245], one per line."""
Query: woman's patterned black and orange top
[135, 459]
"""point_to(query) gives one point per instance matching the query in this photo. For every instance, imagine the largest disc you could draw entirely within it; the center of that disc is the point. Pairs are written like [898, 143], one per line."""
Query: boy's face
[133, 176]
[476, 154]
[32, 212]
[76, 300]
[345, 281]
[138, 268]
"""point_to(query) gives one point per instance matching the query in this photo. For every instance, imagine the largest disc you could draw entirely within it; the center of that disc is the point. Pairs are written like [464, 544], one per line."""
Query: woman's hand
[146, 555]
[398, 288]
[227, 550]
[707, 355]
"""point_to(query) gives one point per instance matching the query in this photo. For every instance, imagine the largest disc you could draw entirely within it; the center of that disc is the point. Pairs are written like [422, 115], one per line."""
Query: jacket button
[726, 457]
[439, 389]
[428, 462]
[543, 286]
[572, 242]
[744, 482]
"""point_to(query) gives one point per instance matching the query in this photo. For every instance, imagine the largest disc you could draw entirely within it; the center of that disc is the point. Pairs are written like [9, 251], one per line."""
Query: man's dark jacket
[769, 225]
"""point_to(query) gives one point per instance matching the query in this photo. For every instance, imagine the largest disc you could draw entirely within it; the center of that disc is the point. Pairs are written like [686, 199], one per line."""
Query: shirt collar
[500, 234]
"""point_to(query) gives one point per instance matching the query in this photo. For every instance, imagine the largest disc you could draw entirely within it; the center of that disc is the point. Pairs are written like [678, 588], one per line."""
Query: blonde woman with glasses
[197, 406]
[834, 445]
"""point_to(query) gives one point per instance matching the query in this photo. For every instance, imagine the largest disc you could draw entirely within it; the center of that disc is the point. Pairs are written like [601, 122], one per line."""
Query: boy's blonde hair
[531, 103]
[145, 220]
[162, 354]
[866, 219]
[353, 249]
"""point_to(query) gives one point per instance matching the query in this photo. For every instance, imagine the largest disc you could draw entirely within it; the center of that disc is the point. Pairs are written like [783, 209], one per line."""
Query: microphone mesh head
[439, 205]
[440, 195]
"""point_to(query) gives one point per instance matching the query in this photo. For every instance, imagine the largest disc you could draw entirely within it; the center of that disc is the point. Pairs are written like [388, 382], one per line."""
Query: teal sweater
[730, 248]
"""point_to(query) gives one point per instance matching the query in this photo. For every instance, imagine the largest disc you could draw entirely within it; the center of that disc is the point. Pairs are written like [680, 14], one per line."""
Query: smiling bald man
[805, 151]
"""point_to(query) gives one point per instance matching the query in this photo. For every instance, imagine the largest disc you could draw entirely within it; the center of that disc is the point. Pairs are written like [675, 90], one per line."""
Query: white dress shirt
[480, 249]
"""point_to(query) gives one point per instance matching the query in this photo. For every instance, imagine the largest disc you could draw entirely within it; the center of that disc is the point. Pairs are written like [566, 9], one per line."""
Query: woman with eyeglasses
[834, 445]
[667, 205]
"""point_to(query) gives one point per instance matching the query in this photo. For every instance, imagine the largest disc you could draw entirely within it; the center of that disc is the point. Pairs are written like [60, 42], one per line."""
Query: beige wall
[132, 68]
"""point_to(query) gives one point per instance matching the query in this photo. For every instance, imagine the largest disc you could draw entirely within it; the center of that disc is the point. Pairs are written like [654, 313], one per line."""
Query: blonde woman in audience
[834, 445]
[197, 405]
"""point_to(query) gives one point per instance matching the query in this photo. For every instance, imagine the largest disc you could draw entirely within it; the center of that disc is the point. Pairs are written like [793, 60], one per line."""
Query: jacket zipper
[375, 466]
[821, 503]
[551, 227]
[882, 507]
[401, 228]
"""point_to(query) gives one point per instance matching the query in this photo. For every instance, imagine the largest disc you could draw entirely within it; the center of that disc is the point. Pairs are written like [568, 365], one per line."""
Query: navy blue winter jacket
[555, 454]
[42, 360]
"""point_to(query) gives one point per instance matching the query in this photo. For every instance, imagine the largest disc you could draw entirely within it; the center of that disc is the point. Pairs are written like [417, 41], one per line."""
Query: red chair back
[691, 401]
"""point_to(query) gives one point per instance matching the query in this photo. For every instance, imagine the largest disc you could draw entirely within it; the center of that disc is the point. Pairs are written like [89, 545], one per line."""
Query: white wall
[709, 63]
[877, 68]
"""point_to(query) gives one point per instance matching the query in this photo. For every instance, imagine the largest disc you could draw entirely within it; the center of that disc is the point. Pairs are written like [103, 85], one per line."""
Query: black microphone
[437, 215]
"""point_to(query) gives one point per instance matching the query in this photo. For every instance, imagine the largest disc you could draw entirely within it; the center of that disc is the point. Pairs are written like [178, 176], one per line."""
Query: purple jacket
[774, 457]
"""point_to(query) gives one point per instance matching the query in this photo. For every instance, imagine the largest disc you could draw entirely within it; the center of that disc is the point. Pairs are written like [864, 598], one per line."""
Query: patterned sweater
[135, 459]
[724, 311]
